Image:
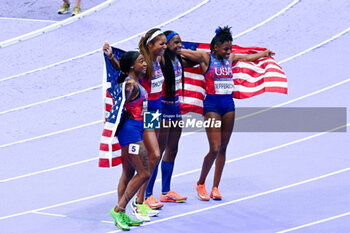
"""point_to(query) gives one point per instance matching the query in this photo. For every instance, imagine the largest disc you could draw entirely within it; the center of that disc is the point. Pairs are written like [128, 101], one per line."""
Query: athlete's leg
[140, 162]
[127, 174]
[151, 144]
[214, 138]
[169, 157]
[228, 120]
[77, 3]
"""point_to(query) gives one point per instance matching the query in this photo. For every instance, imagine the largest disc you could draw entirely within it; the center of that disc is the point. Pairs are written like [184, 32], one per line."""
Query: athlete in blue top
[218, 103]
[172, 67]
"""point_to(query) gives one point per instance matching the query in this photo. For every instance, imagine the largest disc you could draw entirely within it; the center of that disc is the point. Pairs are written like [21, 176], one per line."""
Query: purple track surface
[272, 182]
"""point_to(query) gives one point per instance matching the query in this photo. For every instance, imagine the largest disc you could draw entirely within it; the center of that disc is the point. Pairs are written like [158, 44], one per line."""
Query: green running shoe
[150, 212]
[120, 220]
[132, 222]
[64, 8]
[76, 11]
[139, 211]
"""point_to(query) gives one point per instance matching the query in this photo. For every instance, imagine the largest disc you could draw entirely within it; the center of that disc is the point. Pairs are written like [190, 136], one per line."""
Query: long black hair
[222, 35]
[168, 71]
[126, 61]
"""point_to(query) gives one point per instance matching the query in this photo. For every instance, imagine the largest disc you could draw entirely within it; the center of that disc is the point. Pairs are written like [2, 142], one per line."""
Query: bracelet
[121, 208]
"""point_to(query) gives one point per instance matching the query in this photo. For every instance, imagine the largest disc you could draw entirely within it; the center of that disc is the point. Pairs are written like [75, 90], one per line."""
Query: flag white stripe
[251, 79]
[106, 154]
[192, 101]
[190, 87]
[105, 140]
[256, 68]
[194, 76]
[241, 88]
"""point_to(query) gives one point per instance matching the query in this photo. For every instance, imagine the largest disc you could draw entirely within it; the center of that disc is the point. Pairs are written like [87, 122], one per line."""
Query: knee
[214, 150]
[145, 175]
[223, 149]
[173, 152]
[154, 157]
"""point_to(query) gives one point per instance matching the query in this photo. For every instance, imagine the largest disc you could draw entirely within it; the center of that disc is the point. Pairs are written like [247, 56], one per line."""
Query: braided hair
[168, 71]
[222, 35]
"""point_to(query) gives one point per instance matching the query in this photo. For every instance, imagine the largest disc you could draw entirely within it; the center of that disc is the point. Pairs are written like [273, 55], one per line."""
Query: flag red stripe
[193, 94]
[244, 95]
[194, 70]
[104, 147]
[253, 73]
[196, 82]
[105, 162]
[186, 108]
[108, 107]
[107, 133]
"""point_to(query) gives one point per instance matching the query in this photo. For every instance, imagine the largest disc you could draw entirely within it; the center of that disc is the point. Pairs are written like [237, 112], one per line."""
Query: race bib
[156, 84]
[134, 149]
[144, 106]
[178, 83]
[223, 86]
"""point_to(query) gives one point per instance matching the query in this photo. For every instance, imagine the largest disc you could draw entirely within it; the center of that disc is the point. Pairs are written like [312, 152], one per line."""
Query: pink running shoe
[153, 203]
[202, 193]
[172, 196]
[215, 194]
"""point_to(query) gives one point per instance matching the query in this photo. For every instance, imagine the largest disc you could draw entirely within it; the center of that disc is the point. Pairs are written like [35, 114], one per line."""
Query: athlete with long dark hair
[172, 67]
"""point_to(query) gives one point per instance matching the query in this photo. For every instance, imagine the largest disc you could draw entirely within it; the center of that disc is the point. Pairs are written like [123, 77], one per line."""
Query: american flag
[250, 78]
[109, 154]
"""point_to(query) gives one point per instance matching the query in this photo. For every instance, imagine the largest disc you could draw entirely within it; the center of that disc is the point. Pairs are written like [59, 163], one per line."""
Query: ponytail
[143, 47]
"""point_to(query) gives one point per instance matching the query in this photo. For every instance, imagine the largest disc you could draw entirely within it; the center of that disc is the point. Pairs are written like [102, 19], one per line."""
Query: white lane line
[99, 86]
[56, 25]
[294, 100]
[57, 205]
[177, 175]
[52, 99]
[51, 134]
[248, 197]
[316, 222]
[48, 170]
[74, 217]
[24, 19]
[227, 203]
[100, 49]
[316, 46]
[267, 20]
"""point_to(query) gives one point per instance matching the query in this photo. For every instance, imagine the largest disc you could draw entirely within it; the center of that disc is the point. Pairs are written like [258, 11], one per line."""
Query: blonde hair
[145, 51]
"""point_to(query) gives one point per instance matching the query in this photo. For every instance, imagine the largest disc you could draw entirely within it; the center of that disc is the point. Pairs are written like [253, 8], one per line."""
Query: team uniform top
[219, 77]
[178, 75]
[154, 85]
[138, 105]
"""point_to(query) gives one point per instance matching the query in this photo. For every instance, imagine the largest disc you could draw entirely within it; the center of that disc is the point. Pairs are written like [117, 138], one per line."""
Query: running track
[51, 119]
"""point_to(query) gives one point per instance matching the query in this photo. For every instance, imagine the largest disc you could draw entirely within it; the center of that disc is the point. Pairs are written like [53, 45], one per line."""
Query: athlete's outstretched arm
[107, 49]
[200, 57]
[251, 57]
[195, 56]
